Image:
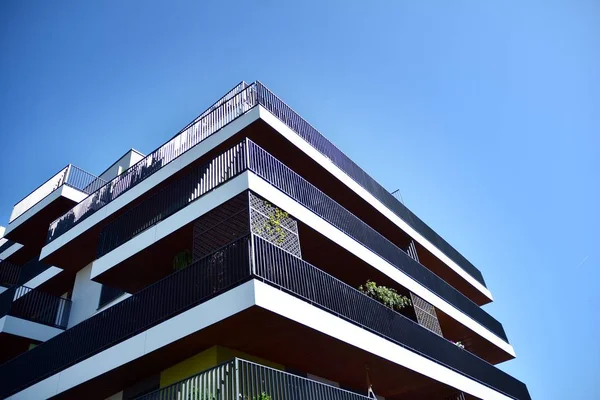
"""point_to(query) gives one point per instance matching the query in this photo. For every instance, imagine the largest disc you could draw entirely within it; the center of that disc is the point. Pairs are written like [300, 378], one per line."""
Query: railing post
[252, 256]
[236, 375]
[67, 174]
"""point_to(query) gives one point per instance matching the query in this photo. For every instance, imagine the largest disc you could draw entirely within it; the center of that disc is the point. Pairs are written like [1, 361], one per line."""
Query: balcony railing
[36, 306]
[201, 180]
[236, 103]
[31, 269]
[288, 116]
[9, 273]
[283, 178]
[233, 162]
[193, 134]
[211, 276]
[70, 176]
[288, 272]
[240, 379]
[174, 294]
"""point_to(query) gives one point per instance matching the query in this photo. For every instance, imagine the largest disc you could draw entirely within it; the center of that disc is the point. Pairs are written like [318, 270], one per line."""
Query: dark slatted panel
[297, 277]
[286, 180]
[261, 212]
[221, 225]
[426, 315]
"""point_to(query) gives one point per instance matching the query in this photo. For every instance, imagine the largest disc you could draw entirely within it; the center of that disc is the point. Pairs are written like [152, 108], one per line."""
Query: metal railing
[288, 116]
[219, 272]
[290, 273]
[239, 379]
[233, 162]
[36, 306]
[31, 269]
[234, 104]
[108, 294]
[156, 303]
[9, 273]
[187, 189]
[70, 175]
[202, 128]
[283, 178]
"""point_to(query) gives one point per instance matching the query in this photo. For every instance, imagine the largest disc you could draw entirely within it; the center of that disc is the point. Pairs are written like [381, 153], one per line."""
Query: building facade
[245, 258]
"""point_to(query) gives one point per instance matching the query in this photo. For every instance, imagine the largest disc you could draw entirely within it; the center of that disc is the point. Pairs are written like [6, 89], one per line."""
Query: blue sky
[486, 116]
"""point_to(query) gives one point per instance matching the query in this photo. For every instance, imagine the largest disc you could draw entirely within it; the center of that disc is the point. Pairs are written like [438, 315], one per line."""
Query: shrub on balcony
[182, 260]
[387, 296]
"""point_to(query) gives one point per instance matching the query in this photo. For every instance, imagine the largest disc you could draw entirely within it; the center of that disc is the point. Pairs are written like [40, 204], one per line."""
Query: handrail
[206, 126]
[34, 305]
[9, 273]
[306, 131]
[242, 379]
[70, 175]
[234, 104]
[285, 271]
[238, 262]
[289, 182]
[196, 183]
[193, 285]
[201, 180]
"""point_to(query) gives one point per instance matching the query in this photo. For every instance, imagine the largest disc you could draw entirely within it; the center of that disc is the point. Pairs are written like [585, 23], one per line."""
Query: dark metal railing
[290, 273]
[292, 184]
[223, 270]
[164, 299]
[36, 306]
[234, 104]
[31, 269]
[70, 175]
[240, 379]
[202, 128]
[9, 273]
[83, 180]
[234, 161]
[187, 189]
[288, 116]
[108, 294]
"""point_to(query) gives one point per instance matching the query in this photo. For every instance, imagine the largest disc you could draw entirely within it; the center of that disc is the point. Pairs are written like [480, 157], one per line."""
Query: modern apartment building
[232, 263]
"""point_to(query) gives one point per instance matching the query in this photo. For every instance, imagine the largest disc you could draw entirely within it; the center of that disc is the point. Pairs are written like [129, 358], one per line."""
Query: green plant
[386, 296]
[262, 396]
[273, 224]
[182, 260]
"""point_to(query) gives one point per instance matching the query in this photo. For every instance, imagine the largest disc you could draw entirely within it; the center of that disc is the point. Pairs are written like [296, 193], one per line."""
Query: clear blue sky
[485, 116]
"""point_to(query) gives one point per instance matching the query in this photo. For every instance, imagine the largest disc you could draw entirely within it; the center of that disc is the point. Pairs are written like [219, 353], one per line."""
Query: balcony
[241, 379]
[461, 273]
[203, 179]
[229, 268]
[32, 215]
[35, 306]
[9, 273]
[29, 316]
